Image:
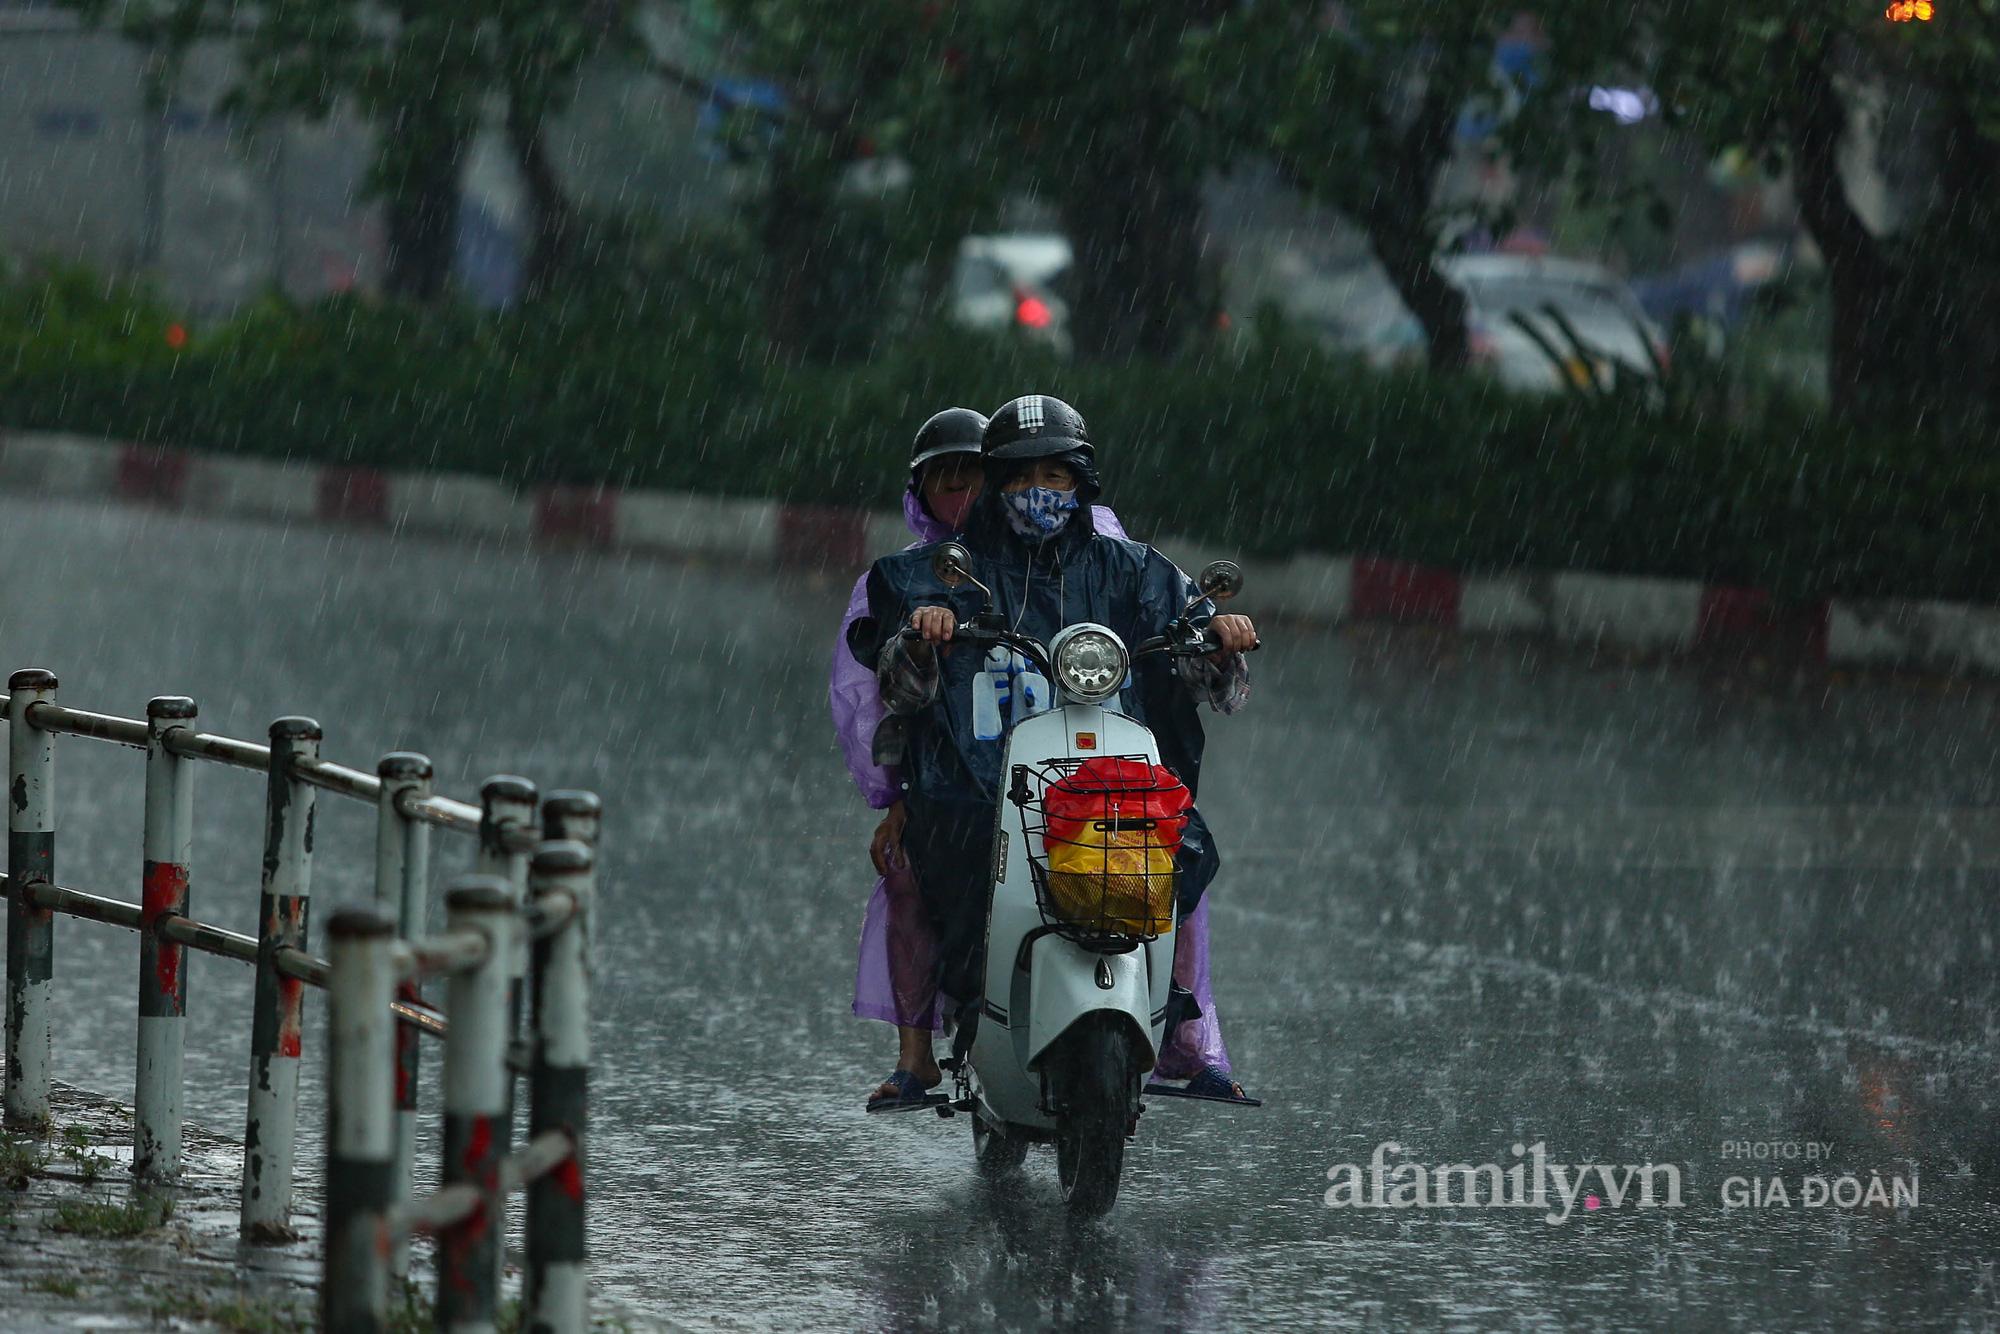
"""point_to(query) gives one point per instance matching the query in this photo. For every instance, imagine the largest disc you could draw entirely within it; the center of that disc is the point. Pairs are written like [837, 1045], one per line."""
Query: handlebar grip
[965, 632]
[1208, 646]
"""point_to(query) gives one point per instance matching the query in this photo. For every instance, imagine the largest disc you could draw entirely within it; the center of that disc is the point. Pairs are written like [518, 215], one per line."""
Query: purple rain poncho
[895, 980]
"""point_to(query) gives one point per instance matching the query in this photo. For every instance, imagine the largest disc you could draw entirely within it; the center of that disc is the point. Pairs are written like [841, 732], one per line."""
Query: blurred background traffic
[709, 243]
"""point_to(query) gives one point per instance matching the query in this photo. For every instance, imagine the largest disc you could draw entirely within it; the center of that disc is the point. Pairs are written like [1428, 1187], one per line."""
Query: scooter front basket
[1102, 833]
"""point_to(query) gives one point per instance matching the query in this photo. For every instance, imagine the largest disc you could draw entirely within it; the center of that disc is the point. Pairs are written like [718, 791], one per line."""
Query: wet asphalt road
[1474, 895]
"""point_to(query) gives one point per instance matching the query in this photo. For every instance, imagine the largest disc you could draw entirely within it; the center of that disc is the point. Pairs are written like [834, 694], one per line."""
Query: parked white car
[1503, 292]
[1006, 284]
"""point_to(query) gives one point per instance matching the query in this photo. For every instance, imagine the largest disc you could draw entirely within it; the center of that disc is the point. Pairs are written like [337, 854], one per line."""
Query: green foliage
[65, 314]
[422, 73]
[1741, 75]
[236, 1314]
[1110, 112]
[1361, 107]
[19, 1160]
[980, 100]
[1294, 451]
[75, 1148]
[1912, 336]
[864, 81]
[105, 1220]
[1274, 449]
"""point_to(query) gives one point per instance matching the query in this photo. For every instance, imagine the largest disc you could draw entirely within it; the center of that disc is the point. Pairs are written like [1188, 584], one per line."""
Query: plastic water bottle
[989, 692]
[1032, 695]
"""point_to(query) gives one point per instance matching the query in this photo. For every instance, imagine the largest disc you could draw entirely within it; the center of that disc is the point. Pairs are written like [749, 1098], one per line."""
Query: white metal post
[271, 1127]
[168, 842]
[557, 1293]
[402, 889]
[361, 1122]
[31, 931]
[507, 807]
[476, 1080]
[572, 814]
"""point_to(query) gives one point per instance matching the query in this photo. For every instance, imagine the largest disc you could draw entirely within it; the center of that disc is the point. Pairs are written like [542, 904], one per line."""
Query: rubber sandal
[910, 1095]
[1211, 1085]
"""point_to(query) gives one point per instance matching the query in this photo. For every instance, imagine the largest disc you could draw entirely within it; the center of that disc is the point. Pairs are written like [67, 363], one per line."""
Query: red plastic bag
[1111, 788]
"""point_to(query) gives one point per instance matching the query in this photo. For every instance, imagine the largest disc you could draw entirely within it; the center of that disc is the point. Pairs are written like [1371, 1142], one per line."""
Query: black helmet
[1035, 426]
[953, 431]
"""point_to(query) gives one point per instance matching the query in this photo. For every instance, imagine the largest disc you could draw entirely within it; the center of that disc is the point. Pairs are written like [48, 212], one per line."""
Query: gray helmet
[953, 431]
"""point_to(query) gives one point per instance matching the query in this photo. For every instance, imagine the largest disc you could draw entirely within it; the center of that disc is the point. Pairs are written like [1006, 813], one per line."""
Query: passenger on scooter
[1035, 542]
[896, 977]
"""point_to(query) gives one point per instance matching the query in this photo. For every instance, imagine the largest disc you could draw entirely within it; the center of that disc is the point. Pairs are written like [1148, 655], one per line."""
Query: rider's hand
[886, 848]
[935, 624]
[1234, 633]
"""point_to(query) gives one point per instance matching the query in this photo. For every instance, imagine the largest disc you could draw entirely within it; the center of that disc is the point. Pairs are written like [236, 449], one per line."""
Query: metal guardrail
[516, 944]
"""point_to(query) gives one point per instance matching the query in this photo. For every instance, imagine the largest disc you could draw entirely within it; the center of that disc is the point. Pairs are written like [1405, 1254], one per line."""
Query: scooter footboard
[1067, 982]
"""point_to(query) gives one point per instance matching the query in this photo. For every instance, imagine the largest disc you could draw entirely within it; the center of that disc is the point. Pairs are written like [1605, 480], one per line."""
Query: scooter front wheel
[995, 1152]
[1098, 1081]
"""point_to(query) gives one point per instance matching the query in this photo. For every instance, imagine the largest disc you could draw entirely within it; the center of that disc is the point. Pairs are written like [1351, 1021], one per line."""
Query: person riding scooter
[1032, 536]
[895, 980]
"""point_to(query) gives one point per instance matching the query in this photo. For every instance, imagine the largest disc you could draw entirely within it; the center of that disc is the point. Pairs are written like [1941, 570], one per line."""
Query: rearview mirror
[952, 564]
[1221, 580]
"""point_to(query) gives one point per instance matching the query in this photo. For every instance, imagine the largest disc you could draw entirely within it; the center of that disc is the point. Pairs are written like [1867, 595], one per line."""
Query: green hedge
[1277, 448]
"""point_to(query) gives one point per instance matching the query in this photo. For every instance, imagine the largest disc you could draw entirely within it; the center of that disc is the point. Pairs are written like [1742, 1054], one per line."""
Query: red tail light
[1030, 311]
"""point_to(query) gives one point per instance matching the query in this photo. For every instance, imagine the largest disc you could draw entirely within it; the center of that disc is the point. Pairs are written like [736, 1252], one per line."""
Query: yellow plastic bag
[1113, 880]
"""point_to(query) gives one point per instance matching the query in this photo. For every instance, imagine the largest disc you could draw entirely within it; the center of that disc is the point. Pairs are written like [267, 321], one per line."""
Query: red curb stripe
[1739, 620]
[583, 514]
[1404, 593]
[152, 474]
[352, 495]
[814, 537]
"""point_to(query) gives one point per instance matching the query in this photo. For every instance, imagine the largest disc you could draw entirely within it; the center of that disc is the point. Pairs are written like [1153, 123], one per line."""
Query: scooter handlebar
[972, 633]
[1199, 647]
[969, 632]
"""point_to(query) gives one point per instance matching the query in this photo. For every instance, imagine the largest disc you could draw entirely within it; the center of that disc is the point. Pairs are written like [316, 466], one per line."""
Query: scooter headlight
[1091, 665]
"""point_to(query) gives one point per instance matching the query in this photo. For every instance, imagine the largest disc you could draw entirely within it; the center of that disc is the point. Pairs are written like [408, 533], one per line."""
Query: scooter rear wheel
[1099, 1079]
[995, 1152]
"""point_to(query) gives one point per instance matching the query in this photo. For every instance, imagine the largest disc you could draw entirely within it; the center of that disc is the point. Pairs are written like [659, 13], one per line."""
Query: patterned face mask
[1039, 512]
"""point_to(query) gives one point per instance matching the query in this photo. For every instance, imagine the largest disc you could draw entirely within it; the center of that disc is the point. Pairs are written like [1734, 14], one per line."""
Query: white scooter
[1075, 1011]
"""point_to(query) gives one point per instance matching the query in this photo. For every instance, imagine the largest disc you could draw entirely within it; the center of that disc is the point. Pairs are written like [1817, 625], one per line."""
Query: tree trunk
[1137, 232]
[1402, 231]
[1406, 252]
[421, 200]
[1859, 276]
[550, 218]
[1969, 249]
[792, 230]
[156, 92]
